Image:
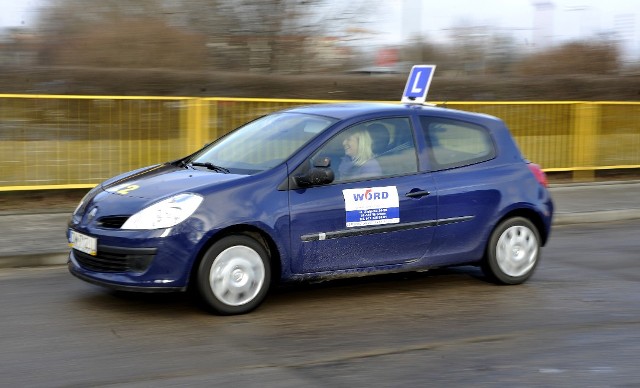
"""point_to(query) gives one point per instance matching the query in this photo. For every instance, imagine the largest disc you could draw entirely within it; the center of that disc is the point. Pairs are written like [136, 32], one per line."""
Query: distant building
[626, 35]
[543, 24]
[411, 19]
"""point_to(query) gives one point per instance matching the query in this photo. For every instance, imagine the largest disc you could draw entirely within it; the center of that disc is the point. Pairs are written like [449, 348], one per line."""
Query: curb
[595, 217]
[572, 185]
[36, 260]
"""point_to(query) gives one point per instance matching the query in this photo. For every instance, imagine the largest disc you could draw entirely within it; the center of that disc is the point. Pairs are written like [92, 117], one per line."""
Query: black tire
[234, 275]
[513, 251]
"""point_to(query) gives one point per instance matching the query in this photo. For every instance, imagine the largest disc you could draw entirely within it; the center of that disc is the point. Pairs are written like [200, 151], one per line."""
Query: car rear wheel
[234, 275]
[513, 251]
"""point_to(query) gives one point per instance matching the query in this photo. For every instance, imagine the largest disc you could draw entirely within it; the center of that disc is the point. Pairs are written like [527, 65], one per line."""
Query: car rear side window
[454, 143]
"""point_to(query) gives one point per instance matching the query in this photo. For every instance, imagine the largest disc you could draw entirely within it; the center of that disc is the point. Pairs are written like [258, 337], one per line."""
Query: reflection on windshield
[264, 143]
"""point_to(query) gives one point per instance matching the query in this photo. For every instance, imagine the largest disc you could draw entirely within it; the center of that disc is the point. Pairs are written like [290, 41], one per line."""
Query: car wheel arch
[530, 215]
[251, 231]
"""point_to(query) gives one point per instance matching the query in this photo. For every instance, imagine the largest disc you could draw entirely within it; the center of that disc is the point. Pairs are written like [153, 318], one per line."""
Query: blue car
[316, 193]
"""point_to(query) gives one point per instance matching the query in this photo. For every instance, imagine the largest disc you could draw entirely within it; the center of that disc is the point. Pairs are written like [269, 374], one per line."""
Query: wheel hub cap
[517, 251]
[237, 275]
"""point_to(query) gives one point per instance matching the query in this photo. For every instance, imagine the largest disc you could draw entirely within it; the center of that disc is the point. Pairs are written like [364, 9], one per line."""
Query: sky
[397, 20]
[16, 13]
[567, 20]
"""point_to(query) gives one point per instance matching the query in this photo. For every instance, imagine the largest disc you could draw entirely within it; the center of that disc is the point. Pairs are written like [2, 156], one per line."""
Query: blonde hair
[364, 147]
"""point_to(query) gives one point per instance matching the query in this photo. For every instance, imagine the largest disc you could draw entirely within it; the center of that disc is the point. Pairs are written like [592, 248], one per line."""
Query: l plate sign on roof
[418, 84]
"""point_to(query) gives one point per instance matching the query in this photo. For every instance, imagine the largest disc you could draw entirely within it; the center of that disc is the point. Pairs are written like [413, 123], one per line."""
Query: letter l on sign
[415, 89]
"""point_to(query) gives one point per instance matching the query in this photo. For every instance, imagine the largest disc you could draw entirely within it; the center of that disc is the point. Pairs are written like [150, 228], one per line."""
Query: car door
[470, 187]
[381, 219]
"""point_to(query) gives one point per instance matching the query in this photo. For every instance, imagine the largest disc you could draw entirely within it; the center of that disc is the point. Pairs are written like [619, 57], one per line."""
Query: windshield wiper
[210, 166]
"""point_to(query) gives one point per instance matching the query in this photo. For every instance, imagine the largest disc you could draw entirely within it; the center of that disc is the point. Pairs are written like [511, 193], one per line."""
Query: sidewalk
[39, 239]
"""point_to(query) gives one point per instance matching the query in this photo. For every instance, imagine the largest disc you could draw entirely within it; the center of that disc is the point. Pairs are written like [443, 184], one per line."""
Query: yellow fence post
[212, 115]
[196, 125]
[585, 130]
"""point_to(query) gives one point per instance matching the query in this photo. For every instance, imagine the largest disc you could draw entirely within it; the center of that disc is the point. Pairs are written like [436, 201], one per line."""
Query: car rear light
[539, 174]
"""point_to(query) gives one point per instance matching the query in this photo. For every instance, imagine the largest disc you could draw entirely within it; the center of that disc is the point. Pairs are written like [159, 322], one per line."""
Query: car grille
[116, 259]
[112, 222]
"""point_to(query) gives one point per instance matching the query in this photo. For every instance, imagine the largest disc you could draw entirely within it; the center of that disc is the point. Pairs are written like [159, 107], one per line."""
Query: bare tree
[580, 57]
[116, 33]
[257, 35]
[68, 16]
[272, 35]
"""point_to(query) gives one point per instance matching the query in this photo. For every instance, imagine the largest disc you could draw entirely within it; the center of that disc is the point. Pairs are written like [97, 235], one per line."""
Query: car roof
[343, 111]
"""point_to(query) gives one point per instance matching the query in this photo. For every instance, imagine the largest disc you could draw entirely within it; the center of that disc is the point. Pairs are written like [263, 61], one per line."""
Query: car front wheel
[234, 275]
[513, 251]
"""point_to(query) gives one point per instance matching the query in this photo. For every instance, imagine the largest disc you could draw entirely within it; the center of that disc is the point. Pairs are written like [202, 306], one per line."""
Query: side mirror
[319, 174]
[315, 176]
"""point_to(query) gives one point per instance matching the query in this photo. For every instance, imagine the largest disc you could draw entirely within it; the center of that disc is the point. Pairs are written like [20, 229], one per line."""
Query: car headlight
[79, 210]
[166, 213]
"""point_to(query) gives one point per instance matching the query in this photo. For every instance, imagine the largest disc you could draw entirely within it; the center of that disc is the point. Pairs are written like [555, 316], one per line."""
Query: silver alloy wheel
[517, 250]
[237, 275]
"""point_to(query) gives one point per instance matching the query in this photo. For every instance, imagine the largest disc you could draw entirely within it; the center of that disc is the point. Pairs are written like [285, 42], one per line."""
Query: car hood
[164, 180]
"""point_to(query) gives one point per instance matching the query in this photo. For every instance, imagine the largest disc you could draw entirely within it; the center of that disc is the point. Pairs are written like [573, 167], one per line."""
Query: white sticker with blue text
[371, 206]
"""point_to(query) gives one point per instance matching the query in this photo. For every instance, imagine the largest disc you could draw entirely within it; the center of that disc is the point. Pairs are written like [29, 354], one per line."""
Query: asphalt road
[575, 323]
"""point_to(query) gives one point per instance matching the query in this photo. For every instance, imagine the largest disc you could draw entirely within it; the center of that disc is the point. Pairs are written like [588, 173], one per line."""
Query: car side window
[454, 143]
[371, 149]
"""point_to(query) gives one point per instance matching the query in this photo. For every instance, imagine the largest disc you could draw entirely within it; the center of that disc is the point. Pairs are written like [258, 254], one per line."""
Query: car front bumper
[143, 261]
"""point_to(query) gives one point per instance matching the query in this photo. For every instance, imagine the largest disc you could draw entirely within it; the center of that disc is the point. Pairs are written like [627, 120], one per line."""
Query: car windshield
[264, 143]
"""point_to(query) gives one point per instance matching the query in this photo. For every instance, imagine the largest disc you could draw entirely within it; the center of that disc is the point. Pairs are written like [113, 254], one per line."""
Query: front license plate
[84, 243]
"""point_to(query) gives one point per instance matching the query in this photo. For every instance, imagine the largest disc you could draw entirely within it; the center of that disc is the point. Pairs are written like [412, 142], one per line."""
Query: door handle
[417, 194]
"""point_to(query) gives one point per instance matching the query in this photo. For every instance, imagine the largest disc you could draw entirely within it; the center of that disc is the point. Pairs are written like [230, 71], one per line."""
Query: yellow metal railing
[76, 141]
[51, 142]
